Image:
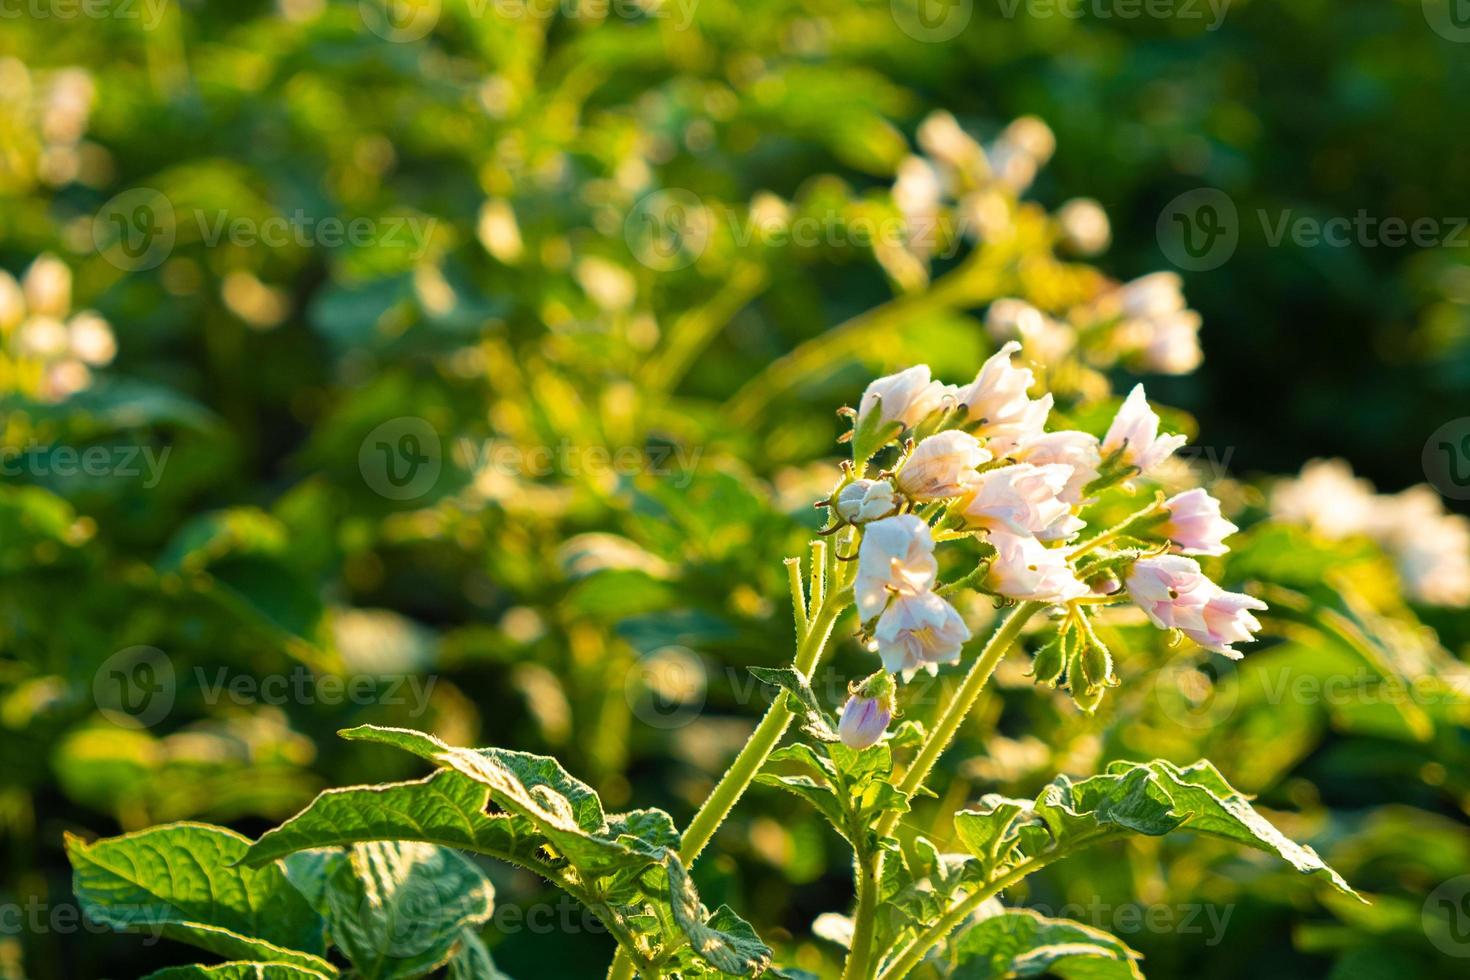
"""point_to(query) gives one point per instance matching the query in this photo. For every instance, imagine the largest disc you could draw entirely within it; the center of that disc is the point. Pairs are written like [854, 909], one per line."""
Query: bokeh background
[526, 300]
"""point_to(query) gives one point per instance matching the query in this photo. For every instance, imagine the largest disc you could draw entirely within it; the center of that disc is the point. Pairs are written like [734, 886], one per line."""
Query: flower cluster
[1430, 547]
[41, 337]
[976, 462]
[958, 188]
[48, 118]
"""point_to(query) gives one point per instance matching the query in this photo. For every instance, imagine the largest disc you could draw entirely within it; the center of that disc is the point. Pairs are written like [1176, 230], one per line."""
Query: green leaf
[1153, 799]
[398, 909]
[182, 881]
[1022, 943]
[446, 808]
[471, 961]
[238, 971]
[528, 810]
[802, 699]
[871, 434]
[724, 941]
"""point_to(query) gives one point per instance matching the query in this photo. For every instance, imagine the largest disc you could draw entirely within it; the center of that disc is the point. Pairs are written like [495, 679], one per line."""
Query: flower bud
[862, 501]
[867, 713]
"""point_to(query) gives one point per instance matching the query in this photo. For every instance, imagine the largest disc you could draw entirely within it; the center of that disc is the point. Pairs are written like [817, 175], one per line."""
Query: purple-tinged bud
[868, 711]
[864, 720]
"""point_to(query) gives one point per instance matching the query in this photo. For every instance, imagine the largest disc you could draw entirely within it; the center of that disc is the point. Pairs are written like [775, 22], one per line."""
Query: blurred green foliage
[606, 614]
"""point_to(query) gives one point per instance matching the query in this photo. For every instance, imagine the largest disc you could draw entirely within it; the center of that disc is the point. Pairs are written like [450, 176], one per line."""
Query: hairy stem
[959, 707]
[860, 958]
[752, 757]
[913, 954]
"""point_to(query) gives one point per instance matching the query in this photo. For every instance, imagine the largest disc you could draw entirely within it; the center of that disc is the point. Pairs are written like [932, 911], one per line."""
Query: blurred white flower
[42, 337]
[1084, 225]
[47, 287]
[91, 339]
[1326, 497]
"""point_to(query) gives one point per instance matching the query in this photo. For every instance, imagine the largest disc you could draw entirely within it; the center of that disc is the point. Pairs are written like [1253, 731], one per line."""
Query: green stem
[959, 707]
[913, 954]
[762, 741]
[752, 757]
[860, 958]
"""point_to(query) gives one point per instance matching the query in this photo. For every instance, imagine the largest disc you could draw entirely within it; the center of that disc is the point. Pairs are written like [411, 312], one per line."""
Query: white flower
[941, 137]
[1430, 548]
[917, 194]
[1020, 150]
[1068, 447]
[941, 466]
[907, 397]
[47, 287]
[919, 631]
[1135, 430]
[92, 339]
[42, 337]
[1227, 621]
[998, 393]
[1326, 498]
[1154, 295]
[1194, 524]
[1024, 568]
[862, 501]
[1042, 337]
[1022, 499]
[1084, 226]
[896, 557]
[997, 400]
[1172, 591]
[1172, 343]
